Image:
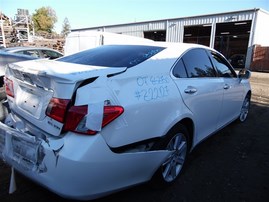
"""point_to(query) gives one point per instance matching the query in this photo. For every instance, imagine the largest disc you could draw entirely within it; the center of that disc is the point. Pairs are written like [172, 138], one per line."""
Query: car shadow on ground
[231, 165]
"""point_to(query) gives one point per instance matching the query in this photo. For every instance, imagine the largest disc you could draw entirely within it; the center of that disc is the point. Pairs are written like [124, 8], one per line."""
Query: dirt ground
[232, 165]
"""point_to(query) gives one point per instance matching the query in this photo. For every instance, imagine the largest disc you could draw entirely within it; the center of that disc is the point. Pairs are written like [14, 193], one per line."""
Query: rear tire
[177, 141]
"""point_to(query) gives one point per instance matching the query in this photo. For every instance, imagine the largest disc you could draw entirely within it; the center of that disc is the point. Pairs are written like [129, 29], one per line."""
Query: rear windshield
[113, 55]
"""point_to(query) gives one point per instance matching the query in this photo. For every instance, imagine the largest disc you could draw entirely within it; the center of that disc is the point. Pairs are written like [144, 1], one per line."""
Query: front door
[233, 90]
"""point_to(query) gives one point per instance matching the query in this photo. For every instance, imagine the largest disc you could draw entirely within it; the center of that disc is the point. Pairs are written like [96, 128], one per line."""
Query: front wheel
[177, 142]
[245, 109]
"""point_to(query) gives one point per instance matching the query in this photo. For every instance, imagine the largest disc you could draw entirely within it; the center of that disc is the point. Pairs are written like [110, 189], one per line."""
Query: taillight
[77, 115]
[9, 88]
[57, 109]
[111, 113]
[74, 117]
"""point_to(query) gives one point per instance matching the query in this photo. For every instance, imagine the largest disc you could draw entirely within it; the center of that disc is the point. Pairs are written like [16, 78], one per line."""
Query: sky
[94, 13]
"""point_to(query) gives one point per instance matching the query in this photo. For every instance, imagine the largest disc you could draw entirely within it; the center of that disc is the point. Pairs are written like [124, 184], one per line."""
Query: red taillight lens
[111, 113]
[57, 109]
[76, 118]
[9, 88]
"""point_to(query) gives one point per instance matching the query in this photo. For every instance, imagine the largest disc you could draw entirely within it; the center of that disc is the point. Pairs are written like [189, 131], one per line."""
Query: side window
[198, 64]
[223, 68]
[19, 52]
[32, 53]
[50, 54]
[179, 70]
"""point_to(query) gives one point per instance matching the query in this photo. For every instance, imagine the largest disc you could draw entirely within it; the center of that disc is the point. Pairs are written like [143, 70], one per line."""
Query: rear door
[200, 89]
[232, 87]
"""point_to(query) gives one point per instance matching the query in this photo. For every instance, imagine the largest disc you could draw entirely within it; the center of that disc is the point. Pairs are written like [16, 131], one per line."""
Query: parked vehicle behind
[37, 52]
[238, 61]
[7, 58]
[102, 120]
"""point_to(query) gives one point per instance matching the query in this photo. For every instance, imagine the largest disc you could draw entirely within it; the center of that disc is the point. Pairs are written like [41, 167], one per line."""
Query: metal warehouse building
[235, 34]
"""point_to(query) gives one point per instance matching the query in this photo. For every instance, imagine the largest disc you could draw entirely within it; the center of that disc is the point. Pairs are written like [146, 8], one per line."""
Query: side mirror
[244, 74]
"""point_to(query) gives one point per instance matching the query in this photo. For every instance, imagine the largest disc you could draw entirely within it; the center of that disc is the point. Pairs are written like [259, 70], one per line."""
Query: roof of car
[6, 57]
[171, 45]
[17, 48]
[178, 44]
[175, 49]
[9, 54]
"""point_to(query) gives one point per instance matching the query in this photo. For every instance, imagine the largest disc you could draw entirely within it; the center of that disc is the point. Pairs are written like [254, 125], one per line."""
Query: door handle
[226, 86]
[190, 90]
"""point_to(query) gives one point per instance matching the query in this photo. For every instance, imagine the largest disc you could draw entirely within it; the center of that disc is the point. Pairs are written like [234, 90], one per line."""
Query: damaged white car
[99, 121]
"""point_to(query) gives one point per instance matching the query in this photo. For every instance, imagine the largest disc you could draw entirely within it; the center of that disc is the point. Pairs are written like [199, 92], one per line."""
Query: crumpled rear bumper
[21, 149]
[76, 166]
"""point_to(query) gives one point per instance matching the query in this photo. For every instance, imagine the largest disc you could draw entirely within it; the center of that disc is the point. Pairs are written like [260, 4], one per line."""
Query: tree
[66, 27]
[44, 19]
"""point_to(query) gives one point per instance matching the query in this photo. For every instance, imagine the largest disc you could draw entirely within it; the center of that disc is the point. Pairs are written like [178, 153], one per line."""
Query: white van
[81, 40]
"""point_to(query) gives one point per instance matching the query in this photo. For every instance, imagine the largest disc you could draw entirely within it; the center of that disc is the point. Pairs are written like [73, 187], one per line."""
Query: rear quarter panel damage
[152, 105]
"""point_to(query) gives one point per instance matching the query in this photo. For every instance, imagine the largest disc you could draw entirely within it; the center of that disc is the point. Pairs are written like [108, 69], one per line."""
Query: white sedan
[102, 120]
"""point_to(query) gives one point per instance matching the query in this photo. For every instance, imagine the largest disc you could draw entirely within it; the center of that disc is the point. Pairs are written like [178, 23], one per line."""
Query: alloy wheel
[244, 109]
[173, 165]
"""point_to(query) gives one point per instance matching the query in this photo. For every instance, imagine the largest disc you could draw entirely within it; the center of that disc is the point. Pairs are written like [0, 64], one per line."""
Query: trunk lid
[35, 83]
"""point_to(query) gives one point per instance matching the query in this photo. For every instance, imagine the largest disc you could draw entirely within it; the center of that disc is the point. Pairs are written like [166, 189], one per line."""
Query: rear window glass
[113, 55]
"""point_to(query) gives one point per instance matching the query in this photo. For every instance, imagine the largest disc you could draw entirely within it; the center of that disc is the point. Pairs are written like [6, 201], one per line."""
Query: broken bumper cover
[77, 166]
[20, 149]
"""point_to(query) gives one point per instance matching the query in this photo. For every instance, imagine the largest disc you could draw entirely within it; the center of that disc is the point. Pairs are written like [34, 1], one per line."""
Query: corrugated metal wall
[175, 27]
[136, 29]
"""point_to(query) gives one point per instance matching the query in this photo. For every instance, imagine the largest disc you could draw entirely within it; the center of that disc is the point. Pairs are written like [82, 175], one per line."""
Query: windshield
[113, 55]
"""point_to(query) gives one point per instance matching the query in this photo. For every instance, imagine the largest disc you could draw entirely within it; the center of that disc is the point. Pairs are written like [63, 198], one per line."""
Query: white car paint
[90, 178]
[154, 101]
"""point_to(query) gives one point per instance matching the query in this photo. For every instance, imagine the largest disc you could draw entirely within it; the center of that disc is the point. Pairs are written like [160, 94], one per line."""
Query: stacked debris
[56, 44]
[7, 32]
[17, 33]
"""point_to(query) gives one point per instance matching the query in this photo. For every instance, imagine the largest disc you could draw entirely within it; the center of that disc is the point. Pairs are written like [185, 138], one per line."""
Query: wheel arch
[186, 126]
[249, 93]
[188, 123]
